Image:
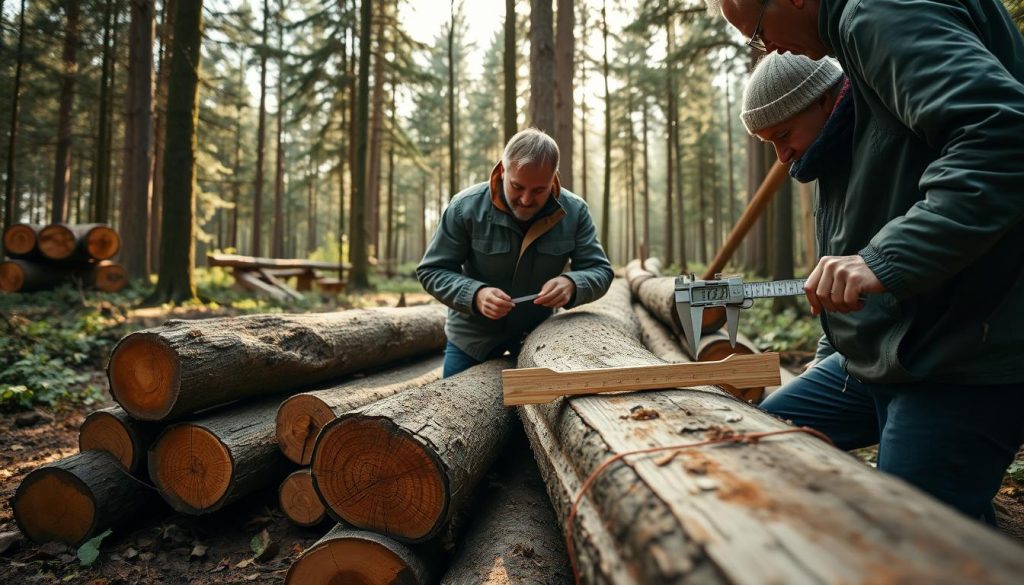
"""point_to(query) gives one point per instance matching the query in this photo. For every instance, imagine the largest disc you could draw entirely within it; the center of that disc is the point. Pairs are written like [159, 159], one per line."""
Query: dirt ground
[171, 548]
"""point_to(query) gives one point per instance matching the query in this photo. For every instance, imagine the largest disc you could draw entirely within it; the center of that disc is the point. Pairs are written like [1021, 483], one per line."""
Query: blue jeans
[456, 360]
[952, 441]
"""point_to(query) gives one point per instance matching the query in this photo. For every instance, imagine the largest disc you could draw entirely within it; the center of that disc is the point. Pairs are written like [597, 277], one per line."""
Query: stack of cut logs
[346, 415]
[42, 257]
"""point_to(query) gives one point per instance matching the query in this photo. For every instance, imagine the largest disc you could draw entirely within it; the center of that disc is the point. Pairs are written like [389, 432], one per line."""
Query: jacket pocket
[492, 260]
[553, 256]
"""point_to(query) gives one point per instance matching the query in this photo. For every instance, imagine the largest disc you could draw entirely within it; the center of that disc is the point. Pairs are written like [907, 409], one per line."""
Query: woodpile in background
[42, 257]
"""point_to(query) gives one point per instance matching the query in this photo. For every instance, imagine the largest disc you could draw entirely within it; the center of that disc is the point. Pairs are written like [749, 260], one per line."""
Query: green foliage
[789, 330]
[52, 340]
[1016, 470]
[90, 551]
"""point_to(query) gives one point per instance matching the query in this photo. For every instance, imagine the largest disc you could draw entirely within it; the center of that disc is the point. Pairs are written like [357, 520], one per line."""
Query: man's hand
[556, 293]
[493, 303]
[837, 284]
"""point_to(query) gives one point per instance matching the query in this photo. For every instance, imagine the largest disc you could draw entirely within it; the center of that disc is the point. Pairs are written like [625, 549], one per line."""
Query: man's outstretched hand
[838, 283]
[493, 303]
[556, 293]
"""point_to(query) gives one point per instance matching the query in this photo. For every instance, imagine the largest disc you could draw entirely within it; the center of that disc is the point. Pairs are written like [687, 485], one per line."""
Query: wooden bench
[268, 275]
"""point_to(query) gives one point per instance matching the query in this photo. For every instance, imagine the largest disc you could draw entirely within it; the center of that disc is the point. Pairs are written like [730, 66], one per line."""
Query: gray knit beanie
[782, 85]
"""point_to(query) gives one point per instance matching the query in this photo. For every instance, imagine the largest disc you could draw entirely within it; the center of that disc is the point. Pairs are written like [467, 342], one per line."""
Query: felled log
[636, 274]
[93, 241]
[658, 295]
[201, 465]
[515, 538]
[298, 499]
[359, 557]
[25, 276]
[184, 366]
[112, 430]
[20, 241]
[107, 276]
[788, 509]
[406, 466]
[300, 417]
[74, 499]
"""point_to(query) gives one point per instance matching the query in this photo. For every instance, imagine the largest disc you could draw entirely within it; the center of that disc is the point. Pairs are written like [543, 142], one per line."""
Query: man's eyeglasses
[756, 40]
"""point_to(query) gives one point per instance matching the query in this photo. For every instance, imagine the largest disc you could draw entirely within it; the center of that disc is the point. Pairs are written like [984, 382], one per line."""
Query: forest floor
[248, 542]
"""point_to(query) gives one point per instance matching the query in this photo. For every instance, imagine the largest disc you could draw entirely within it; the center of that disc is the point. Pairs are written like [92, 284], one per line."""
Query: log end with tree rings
[53, 505]
[19, 239]
[355, 557]
[374, 475]
[12, 276]
[191, 467]
[104, 432]
[109, 276]
[57, 241]
[299, 420]
[299, 501]
[102, 242]
[144, 376]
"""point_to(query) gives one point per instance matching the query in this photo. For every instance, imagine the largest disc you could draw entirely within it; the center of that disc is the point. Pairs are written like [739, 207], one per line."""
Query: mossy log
[76, 498]
[298, 499]
[407, 465]
[84, 242]
[204, 464]
[357, 557]
[514, 537]
[301, 417]
[112, 430]
[787, 509]
[184, 366]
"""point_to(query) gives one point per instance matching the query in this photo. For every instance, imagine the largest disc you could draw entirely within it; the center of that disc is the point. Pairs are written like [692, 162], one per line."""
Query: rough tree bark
[749, 513]
[509, 68]
[170, 371]
[542, 66]
[62, 168]
[406, 466]
[565, 111]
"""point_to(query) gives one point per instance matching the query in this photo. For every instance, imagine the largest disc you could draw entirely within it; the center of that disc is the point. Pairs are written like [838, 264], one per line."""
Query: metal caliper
[730, 292]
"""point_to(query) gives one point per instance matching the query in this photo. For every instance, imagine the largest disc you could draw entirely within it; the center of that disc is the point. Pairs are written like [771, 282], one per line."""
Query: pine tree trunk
[10, 191]
[112, 430]
[376, 123]
[184, 366]
[511, 124]
[300, 417]
[389, 233]
[407, 466]
[646, 236]
[345, 555]
[747, 513]
[236, 183]
[453, 154]
[62, 169]
[565, 109]
[78, 497]
[101, 184]
[177, 245]
[542, 65]
[160, 131]
[606, 194]
[261, 140]
[137, 181]
[729, 152]
[358, 253]
[277, 240]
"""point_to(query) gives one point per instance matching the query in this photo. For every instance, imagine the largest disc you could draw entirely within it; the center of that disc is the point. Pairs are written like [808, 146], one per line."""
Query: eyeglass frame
[756, 40]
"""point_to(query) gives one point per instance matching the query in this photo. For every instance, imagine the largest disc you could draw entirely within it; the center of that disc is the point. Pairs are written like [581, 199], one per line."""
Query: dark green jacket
[936, 192]
[479, 243]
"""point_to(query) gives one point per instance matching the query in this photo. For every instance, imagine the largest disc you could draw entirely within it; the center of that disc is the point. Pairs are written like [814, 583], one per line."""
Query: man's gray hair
[530, 147]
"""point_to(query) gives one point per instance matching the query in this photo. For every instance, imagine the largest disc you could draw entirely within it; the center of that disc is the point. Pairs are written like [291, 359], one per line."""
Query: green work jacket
[935, 199]
[479, 243]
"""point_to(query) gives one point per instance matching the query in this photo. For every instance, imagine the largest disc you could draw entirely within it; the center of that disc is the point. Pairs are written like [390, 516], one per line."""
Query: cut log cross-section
[59, 241]
[107, 276]
[184, 366]
[113, 431]
[20, 241]
[25, 276]
[358, 557]
[301, 417]
[790, 509]
[204, 464]
[78, 497]
[298, 499]
[406, 466]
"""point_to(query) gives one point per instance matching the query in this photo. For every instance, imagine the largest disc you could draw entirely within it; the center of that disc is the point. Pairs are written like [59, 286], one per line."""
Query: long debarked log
[84, 242]
[112, 430]
[204, 464]
[406, 466]
[74, 499]
[788, 509]
[298, 499]
[184, 366]
[301, 417]
[359, 557]
[514, 538]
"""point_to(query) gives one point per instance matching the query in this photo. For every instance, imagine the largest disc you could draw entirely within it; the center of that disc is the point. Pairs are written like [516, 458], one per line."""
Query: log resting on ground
[29, 276]
[407, 465]
[184, 366]
[20, 241]
[345, 556]
[78, 497]
[84, 242]
[658, 294]
[514, 538]
[112, 430]
[204, 464]
[301, 417]
[788, 509]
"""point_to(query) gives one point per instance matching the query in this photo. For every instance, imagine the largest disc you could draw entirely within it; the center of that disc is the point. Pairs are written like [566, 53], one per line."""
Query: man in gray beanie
[933, 218]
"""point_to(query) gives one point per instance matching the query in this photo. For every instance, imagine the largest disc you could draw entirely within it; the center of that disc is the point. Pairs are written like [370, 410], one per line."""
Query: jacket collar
[833, 144]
